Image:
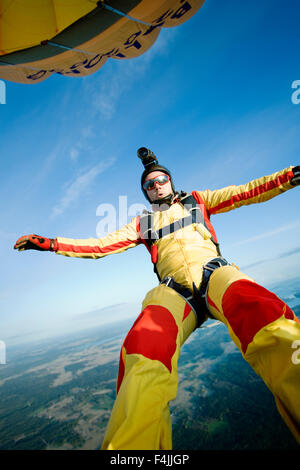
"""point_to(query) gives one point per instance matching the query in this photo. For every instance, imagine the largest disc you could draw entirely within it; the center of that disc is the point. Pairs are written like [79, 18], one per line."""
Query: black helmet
[150, 163]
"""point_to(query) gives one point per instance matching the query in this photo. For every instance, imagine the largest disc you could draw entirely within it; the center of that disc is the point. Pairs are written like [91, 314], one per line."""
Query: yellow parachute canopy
[76, 37]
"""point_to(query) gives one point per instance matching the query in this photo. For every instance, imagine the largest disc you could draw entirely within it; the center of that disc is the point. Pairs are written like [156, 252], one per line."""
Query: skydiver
[195, 283]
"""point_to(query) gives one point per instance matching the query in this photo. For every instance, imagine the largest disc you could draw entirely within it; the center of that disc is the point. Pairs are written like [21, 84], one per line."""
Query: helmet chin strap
[165, 200]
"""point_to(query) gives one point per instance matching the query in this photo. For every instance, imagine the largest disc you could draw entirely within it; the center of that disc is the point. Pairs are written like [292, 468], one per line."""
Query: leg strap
[201, 293]
[197, 298]
[188, 296]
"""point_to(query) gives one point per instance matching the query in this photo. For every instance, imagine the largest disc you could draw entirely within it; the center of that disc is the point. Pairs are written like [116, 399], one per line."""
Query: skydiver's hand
[35, 242]
[296, 179]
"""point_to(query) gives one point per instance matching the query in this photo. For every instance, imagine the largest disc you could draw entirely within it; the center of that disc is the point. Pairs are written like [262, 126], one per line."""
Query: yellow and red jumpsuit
[261, 325]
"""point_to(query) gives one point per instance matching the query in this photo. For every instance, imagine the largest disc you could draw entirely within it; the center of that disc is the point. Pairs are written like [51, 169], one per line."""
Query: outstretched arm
[258, 190]
[115, 242]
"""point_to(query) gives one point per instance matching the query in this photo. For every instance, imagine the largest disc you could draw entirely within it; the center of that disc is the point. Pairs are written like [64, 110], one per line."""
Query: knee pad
[249, 307]
[153, 335]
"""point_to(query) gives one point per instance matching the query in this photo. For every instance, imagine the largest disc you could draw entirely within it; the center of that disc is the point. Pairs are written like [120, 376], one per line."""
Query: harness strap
[201, 293]
[197, 299]
[150, 236]
[189, 298]
[190, 200]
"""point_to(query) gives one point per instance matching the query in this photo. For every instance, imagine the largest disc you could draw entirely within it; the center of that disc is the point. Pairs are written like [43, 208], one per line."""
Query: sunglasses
[161, 179]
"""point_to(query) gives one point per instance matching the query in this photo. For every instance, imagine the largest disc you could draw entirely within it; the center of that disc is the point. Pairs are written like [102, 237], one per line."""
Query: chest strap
[146, 225]
[150, 236]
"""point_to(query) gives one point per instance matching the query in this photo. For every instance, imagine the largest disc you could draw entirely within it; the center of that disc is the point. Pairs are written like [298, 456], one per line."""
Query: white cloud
[106, 96]
[107, 88]
[268, 234]
[74, 152]
[85, 135]
[87, 132]
[275, 270]
[75, 189]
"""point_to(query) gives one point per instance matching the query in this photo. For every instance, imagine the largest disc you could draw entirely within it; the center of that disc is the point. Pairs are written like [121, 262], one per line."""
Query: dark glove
[35, 242]
[296, 178]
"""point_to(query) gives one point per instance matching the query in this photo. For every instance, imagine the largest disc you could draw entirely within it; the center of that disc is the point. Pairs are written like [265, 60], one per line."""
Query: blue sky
[212, 98]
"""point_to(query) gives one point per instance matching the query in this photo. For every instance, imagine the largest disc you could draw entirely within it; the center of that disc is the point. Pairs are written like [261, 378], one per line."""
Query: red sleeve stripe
[96, 249]
[263, 188]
